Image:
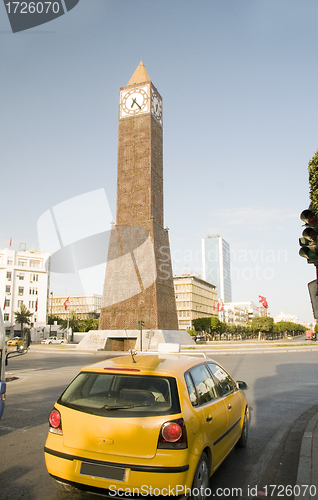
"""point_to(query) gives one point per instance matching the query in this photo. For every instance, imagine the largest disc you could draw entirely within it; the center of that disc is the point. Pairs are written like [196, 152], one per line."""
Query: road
[281, 393]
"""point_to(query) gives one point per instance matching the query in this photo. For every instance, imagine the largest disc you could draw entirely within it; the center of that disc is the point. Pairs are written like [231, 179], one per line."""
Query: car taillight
[171, 432]
[55, 422]
[173, 435]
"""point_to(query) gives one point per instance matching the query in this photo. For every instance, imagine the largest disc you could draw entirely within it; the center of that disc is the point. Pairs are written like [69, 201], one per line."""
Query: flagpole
[3, 348]
[68, 323]
[66, 304]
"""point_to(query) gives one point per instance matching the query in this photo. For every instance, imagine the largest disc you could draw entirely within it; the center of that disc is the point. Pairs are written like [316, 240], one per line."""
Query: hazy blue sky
[239, 86]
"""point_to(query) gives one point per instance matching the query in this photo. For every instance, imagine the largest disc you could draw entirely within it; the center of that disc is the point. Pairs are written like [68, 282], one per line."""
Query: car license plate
[103, 471]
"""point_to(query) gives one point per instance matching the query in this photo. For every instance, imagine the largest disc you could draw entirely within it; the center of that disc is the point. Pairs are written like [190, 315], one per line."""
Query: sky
[240, 104]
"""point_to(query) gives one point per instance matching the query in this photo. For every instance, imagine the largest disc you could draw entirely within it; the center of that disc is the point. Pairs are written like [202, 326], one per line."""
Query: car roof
[147, 364]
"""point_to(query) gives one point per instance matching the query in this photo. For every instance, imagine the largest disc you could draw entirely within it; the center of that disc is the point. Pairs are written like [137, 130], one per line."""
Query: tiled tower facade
[138, 282]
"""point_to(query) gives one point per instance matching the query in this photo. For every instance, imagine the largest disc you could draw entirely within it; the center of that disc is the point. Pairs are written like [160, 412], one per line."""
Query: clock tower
[138, 281]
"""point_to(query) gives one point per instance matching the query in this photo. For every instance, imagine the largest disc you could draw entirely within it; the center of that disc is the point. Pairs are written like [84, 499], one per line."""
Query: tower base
[124, 340]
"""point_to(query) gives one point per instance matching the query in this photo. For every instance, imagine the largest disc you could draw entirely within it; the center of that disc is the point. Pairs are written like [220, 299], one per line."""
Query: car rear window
[115, 395]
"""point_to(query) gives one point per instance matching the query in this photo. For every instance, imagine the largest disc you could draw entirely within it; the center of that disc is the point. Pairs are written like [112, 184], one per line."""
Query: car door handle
[208, 419]
[229, 407]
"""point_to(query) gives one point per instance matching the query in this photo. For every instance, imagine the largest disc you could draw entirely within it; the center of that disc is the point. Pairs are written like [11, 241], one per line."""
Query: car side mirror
[241, 385]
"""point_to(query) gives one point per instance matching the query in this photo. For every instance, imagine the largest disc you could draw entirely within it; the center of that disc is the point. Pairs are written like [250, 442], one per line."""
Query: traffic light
[309, 241]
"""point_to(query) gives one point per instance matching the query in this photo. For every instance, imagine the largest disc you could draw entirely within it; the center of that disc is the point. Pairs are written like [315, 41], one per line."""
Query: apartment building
[24, 279]
[195, 298]
[85, 306]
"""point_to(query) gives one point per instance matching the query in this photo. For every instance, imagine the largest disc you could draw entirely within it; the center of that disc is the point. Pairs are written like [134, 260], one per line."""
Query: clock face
[156, 106]
[134, 101]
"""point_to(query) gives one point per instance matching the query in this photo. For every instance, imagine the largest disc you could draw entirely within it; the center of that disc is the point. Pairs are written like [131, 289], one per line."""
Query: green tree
[22, 317]
[52, 318]
[285, 327]
[202, 324]
[192, 333]
[88, 324]
[313, 183]
[73, 322]
[217, 326]
[263, 324]
[210, 325]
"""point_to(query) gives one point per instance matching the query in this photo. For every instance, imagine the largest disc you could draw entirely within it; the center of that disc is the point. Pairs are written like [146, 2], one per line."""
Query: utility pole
[140, 324]
[51, 311]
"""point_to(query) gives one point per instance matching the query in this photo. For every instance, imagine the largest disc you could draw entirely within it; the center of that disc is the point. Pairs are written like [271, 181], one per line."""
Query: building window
[20, 290]
[22, 263]
[8, 289]
[35, 263]
[34, 277]
[6, 317]
[9, 262]
[20, 303]
[21, 276]
[9, 275]
[7, 303]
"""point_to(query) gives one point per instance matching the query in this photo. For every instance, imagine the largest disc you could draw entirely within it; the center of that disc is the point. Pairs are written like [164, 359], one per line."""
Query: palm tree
[74, 322]
[23, 317]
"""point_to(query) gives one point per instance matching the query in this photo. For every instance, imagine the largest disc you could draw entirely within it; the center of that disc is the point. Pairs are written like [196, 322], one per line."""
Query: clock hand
[135, 102]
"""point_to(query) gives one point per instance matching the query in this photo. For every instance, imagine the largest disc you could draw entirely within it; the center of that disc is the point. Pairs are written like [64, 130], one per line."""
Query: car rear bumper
[139, 480]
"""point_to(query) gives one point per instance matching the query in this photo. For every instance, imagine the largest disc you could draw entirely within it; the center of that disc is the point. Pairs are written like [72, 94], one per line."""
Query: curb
[308, 458]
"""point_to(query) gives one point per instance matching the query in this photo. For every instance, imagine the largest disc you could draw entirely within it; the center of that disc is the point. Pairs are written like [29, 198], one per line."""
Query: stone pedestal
[124, 340]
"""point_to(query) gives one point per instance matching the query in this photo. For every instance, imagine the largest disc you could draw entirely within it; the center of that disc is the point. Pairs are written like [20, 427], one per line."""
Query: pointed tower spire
[140, 75]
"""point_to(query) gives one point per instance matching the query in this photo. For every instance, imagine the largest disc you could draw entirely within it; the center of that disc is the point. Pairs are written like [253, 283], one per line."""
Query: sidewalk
[308, 459]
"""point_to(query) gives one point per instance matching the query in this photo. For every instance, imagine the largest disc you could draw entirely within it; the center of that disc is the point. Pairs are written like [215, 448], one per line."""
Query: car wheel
[201, 479]
[243, 439]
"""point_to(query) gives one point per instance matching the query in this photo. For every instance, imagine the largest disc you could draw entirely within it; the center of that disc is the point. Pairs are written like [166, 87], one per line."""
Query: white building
[233, 314]
[85, 306]
[252, 308]
[24, 279]
[286, 317]
[195, 298]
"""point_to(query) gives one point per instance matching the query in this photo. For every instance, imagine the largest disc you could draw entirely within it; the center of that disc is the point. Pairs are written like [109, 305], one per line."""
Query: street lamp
[140, 324]
[51, 311]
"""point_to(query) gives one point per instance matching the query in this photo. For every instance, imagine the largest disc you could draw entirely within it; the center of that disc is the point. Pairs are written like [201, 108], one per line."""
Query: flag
[10, 242]
[220, 305]
[263, 301]
[66, 303]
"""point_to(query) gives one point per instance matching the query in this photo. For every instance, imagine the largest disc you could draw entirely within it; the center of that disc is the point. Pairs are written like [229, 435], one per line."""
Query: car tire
[201, 479]
[242, 442]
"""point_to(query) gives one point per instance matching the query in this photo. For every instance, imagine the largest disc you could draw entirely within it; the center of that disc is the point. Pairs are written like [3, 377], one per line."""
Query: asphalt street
[282, 389]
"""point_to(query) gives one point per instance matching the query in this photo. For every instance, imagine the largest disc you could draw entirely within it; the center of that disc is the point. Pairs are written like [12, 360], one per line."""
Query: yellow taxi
[15, 341]
[146, 425]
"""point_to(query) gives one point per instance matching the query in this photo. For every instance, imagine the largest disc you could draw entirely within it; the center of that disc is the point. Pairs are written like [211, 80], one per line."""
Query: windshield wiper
[126, 407]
